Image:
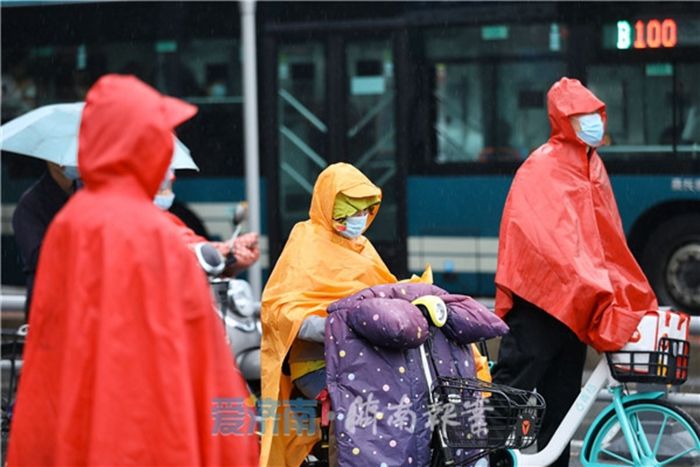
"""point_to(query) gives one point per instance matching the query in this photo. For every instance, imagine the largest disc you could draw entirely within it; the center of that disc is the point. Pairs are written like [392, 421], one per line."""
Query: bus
[437, 102]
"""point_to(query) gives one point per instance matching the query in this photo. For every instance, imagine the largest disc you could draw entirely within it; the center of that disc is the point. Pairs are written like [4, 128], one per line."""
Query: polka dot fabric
[375, 379]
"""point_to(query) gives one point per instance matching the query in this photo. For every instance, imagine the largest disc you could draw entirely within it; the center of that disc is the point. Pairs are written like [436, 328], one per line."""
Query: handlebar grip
[209, 259]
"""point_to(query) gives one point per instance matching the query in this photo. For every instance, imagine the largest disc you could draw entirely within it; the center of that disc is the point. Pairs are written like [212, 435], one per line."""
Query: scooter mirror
[240, 213]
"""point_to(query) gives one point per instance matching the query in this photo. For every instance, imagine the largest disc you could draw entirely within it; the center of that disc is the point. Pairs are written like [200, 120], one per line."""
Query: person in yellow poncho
[325, 259]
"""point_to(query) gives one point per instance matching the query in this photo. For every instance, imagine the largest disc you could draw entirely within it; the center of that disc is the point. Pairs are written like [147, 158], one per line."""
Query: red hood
[126, 137]
[566, 98]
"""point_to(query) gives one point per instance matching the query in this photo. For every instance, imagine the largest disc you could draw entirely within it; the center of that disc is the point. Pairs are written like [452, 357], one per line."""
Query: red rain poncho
[561, 242]
[125, 353]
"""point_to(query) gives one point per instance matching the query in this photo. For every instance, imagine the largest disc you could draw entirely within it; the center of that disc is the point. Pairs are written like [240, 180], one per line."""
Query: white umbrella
[51, 133]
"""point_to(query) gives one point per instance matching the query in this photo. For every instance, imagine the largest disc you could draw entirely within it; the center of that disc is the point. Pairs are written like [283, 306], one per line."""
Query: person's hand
[245, 249]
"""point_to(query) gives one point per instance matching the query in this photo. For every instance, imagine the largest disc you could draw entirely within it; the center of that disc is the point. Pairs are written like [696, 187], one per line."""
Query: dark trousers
[541, 352]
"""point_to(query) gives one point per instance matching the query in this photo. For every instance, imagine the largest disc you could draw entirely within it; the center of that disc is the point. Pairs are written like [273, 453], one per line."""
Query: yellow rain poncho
[317, 267]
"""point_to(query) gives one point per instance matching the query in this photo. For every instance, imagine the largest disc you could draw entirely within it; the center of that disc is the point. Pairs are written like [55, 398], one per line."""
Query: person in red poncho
[126, 363]
[565, 276]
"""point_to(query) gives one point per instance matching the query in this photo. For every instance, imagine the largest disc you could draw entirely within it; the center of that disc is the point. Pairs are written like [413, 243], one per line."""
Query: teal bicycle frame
[599, 379]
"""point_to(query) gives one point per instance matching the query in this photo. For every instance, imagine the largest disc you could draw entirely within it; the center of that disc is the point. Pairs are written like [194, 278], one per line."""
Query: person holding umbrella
[35, 210]
[125, 359]
[50, 133]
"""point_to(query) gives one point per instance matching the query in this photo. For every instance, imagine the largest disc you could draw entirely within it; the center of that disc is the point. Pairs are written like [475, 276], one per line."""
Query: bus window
[459, 119]
[302, 127]
[503, 40]
[205, 72]
[202, 71]
[639, 100]
[215, 73]
[492, 113]
[489, 89]
[371, 132]
[522, 106]
[688, 108]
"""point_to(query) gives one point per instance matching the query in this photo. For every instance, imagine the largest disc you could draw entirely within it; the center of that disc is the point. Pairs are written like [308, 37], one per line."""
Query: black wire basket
[488, 416]
[668, 364]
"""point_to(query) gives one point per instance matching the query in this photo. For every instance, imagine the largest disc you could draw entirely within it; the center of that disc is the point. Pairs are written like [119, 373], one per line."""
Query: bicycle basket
[668, 364]
[488, 416]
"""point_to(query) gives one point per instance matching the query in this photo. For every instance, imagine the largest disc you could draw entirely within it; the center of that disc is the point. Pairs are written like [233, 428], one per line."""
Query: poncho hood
[566, 98]
[340, 178]
[126, 137]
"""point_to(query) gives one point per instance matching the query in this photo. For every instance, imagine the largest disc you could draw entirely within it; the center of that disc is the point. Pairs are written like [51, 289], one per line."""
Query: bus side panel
[453, 224]
[453, 221]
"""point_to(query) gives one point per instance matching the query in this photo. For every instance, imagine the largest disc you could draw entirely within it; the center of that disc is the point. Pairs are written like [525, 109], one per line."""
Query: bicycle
[637, 429]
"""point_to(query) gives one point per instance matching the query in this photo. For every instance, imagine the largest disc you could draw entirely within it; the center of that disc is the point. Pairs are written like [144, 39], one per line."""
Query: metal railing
[15, 302]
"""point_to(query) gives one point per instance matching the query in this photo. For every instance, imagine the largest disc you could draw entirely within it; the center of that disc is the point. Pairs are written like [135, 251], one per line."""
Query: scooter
[235, 305]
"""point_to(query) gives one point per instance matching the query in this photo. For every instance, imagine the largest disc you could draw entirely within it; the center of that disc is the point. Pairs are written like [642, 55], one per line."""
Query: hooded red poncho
[125, 355]
[561, 242]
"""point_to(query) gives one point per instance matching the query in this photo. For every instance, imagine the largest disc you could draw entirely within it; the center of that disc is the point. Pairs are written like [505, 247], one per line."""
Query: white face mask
[592, 129]
[354, 226]
[164, 201]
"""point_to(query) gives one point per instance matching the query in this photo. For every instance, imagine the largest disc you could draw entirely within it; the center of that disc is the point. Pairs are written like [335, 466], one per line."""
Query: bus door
[334, 99]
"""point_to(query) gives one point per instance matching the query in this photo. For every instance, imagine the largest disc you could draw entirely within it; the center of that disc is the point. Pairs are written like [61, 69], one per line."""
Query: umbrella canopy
[51, 133]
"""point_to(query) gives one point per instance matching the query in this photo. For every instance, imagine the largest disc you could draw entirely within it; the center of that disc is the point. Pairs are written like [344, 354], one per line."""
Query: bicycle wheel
[667, 435]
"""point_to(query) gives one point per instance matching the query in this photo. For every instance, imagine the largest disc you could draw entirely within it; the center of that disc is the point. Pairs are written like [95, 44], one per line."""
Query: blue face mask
[71, 172]
[164, 201]
[354, 226]
[592, 129]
